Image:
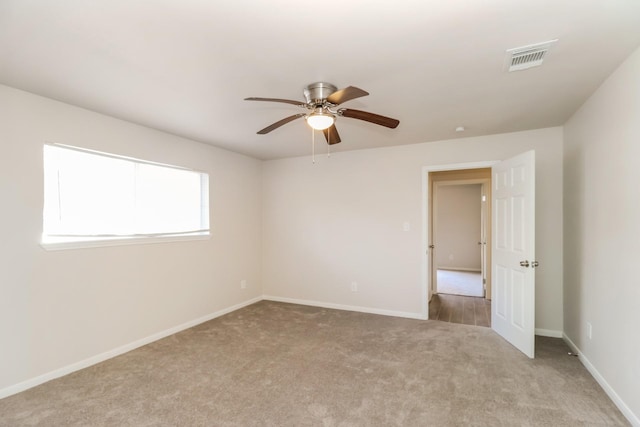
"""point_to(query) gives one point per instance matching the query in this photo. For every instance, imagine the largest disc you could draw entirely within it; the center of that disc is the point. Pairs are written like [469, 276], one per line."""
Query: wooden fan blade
[370, 117]
[346, 94]
[277, 124]
[287, 101]
[331, 135]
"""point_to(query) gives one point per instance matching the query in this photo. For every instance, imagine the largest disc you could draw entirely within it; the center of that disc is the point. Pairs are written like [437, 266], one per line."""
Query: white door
[513, 255]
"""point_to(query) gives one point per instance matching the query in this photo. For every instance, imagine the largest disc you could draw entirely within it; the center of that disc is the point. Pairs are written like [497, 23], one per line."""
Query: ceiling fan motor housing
[316, 93]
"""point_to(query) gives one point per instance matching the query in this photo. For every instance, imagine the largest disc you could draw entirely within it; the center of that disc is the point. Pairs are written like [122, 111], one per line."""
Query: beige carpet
[466, 283]
[274, 364]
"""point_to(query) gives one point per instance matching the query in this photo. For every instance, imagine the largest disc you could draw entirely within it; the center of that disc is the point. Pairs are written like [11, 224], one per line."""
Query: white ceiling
[184, 66]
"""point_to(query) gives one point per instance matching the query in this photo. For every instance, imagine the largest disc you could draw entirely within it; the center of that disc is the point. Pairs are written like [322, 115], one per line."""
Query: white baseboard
[25, 385]
[549, 333]
[626, 411]
[408, 315]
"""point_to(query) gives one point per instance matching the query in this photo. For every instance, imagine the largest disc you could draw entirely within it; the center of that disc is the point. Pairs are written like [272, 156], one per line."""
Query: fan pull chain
[313, 146]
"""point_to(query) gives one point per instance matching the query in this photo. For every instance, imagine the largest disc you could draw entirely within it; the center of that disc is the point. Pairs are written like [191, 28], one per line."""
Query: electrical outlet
[243, 284]
[406, 226]
[354, 286]
[589, 330]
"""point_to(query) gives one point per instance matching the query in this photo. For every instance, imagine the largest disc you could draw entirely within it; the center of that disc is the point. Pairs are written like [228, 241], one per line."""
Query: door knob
[524, 263]
[431, 246]
[534, 264]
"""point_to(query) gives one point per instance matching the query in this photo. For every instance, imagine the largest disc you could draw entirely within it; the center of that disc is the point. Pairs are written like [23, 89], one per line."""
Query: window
[97, 197]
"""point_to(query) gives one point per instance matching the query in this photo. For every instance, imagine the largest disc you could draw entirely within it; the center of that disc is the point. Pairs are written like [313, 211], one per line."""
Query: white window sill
[120, 241]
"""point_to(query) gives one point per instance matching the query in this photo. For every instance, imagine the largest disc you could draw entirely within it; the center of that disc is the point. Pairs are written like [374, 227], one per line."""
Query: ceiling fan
[322, 101]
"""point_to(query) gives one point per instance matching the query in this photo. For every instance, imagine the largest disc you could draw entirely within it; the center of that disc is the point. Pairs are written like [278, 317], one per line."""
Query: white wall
[602, 232]
[458, 226]
[61, 307]
[341, 220]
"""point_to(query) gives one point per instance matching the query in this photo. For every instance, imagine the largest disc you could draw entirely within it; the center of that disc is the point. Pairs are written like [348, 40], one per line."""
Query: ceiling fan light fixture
[320, 121]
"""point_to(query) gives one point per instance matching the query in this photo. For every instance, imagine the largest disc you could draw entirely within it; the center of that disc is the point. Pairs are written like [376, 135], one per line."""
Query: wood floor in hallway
[460, 309]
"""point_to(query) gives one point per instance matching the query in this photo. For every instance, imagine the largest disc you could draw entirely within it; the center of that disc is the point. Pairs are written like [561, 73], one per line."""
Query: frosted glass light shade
[320, 121]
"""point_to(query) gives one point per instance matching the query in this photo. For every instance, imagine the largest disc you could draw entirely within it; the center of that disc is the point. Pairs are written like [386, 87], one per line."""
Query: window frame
[99, 240]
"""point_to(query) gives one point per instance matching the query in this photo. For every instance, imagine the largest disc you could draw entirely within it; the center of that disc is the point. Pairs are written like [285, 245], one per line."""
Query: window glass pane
[96, 196]
[167, 199]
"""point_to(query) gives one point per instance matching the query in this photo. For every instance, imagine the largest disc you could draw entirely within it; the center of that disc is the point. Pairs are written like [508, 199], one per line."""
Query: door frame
[426, 220]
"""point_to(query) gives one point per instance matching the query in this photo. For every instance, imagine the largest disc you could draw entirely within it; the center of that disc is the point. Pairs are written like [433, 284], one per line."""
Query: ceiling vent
[521, 58]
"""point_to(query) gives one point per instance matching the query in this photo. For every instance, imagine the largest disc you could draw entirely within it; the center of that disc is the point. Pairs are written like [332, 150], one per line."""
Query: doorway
[510, 245]
[459, 247]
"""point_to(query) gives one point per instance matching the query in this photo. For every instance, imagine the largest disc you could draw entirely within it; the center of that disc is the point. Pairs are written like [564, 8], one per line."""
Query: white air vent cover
[521, 58]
